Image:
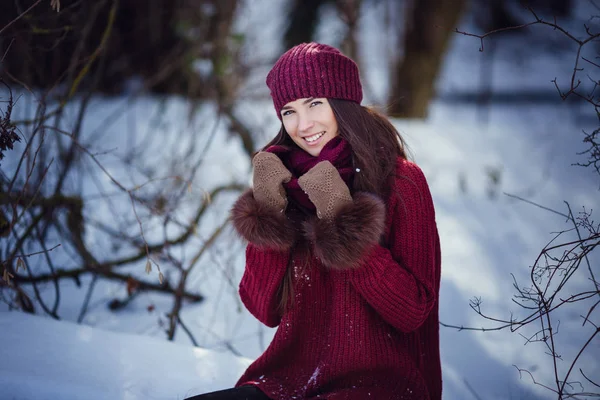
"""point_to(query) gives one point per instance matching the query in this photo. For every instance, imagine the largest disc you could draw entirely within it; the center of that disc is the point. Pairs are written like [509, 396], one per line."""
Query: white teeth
[314, 137]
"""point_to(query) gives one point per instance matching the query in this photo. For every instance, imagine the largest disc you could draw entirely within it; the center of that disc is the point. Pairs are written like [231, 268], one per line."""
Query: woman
[343, 253]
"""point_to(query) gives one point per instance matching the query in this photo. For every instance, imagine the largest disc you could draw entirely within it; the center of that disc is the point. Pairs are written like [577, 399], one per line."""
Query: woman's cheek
[290, 126]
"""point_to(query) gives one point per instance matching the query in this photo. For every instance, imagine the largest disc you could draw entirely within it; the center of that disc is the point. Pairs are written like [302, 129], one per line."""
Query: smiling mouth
[314, 138]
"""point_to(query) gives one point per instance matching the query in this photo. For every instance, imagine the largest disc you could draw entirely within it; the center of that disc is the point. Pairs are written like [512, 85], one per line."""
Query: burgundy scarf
[337, 151]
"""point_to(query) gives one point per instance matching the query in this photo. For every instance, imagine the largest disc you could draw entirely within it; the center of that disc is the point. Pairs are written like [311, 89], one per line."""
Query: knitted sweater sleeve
[401, 283]
[259, 287]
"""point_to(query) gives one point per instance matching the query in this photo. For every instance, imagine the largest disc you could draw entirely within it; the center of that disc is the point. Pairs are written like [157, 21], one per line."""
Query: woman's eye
[314, 103]
[288, 112]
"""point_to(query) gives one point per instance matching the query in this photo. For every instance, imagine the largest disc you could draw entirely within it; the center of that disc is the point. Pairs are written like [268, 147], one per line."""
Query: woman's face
[310, 123]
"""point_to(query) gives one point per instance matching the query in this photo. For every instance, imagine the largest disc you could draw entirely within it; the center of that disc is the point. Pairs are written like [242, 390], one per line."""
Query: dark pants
[248, 392]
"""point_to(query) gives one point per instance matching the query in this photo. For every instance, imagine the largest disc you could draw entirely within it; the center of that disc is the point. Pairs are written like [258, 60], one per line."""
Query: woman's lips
[316, 141]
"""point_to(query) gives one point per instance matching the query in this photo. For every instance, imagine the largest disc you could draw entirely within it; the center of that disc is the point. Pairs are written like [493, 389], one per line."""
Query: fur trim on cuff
[342, 242]
[261, 226]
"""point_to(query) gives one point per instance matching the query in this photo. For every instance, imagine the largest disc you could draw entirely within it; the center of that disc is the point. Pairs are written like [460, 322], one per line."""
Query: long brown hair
[376, 146]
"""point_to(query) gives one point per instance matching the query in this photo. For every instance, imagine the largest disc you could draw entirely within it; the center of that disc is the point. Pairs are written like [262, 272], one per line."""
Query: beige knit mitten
[326, 189]
[269, 176]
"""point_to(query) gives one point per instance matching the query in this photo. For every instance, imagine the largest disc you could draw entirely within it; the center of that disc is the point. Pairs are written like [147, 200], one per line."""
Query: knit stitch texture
[356, 333]
[313, 70]
[268, 179]
[326, 189]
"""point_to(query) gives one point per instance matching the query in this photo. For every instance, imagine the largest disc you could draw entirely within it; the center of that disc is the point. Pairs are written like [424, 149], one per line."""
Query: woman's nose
[305, 122]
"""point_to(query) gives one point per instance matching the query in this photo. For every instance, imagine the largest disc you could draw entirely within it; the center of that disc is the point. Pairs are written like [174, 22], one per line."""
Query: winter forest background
[127, 128]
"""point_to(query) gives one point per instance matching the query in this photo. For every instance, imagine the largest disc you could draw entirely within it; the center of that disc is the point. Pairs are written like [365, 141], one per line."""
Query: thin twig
[588, 379]
[572, 218]
[86, 301]
[20, 16]
[535, 204]
[187, 331]
[7, 49]
[31, 254]
[566, 378]
[471, 390]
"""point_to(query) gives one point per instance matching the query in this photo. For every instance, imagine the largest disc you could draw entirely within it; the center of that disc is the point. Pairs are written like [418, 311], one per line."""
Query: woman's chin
[316, 150]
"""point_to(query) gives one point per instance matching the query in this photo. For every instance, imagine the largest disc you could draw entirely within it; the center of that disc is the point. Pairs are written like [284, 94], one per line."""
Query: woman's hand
[269, 176]
[326, 189]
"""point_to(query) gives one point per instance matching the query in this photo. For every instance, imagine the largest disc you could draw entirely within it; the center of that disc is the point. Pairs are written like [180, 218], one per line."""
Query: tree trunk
[428, 29]
[303, 20]
[349, 11]
[219, 34]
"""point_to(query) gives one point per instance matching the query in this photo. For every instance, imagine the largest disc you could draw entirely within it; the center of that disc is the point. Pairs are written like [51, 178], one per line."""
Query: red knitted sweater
[367, 330]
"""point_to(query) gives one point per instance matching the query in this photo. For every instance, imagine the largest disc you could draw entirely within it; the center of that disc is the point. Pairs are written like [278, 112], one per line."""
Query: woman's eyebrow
[304, 102]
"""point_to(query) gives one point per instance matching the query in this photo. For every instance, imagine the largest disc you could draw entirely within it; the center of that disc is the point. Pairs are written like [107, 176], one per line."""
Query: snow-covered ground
[47, 359]
[486, 236]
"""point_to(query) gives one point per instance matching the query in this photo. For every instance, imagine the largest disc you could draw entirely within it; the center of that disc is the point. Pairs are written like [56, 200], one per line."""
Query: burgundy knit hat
[313, 70]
